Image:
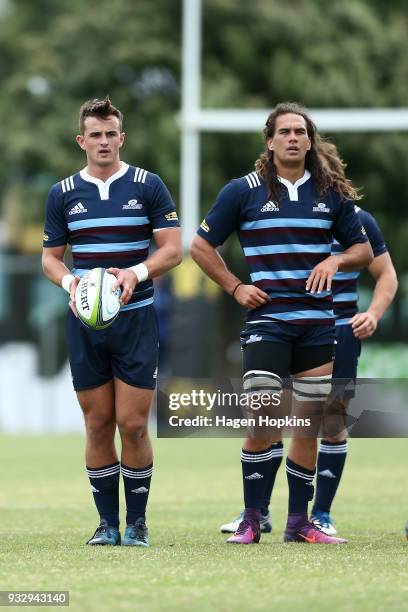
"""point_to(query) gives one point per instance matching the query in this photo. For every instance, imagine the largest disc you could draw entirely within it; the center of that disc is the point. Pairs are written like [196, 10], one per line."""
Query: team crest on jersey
[204, 225]
[171, 216]
[270, 207]
[321, 207]
[132, 205]
[78, 209]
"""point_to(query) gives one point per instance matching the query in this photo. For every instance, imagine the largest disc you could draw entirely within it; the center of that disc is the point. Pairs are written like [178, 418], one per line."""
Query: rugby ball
[97, 305]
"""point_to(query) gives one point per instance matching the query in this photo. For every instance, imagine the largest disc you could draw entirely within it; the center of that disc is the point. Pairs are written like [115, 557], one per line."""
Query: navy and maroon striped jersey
[283, 241]
[344, 285]
[109, 223]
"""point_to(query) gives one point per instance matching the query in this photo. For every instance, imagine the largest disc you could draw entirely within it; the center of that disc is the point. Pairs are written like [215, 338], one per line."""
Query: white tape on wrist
[66, 282]
[141, 272]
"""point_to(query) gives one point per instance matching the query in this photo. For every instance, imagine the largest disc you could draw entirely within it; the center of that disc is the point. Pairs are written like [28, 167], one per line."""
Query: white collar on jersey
[103, 186]
[293, 187]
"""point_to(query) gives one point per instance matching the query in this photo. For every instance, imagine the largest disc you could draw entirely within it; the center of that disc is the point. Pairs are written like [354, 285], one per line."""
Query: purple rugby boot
[248, 531]
[299, 529]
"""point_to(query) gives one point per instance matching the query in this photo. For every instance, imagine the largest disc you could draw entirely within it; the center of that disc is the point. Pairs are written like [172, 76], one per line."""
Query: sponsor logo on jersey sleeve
[363, 231]
[171, 216]
[204, 226]
[45, 237]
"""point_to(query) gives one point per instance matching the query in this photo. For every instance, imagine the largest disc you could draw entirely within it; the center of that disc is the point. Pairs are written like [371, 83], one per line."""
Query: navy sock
[300, 482]
[137, 487]
[256, 467]
[276, 460]
[330, 464]
[105, 487]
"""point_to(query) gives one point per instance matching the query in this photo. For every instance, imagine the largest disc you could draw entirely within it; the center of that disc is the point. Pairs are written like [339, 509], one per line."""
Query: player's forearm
[163, 259]
[54, 269]
[384, 293]
[356, 257]
[211, 262]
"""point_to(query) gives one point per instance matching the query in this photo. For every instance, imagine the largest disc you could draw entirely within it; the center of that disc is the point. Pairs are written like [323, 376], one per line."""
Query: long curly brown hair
[322, 160]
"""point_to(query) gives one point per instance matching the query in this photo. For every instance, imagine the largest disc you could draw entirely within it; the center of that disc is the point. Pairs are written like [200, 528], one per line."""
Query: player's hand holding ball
[97, 300]
[72, 295]
[126, 279]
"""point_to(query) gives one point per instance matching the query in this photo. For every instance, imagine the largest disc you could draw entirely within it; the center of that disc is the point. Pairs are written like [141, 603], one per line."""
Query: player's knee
[99, 428]
[312, 388]
[262, 382]
[134, 426]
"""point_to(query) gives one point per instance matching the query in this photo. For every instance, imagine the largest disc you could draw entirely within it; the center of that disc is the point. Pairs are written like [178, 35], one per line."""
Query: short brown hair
[101, 108]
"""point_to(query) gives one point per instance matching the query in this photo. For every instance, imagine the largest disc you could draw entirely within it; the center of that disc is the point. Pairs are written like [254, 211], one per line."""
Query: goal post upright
[190, 106]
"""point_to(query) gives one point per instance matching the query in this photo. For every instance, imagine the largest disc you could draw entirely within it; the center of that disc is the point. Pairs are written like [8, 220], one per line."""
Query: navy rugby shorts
[347, 352]
[286, 348]
[127, 349]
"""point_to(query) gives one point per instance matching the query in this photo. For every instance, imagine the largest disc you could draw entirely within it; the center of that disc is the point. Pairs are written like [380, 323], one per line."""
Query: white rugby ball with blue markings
[97, 305]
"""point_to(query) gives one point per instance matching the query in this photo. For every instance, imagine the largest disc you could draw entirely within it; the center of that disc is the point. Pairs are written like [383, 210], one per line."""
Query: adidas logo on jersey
[270, 207]
[255, 476]
[321, 207]
[132, 205]
[78, 208]
[140, 490]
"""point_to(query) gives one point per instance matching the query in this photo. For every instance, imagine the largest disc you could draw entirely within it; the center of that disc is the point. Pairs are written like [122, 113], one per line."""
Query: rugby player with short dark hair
[108, 212]
[286, 215]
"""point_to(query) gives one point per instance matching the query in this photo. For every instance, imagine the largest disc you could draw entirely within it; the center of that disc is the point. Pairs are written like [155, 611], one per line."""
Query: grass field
[47, 514]
[383, 361]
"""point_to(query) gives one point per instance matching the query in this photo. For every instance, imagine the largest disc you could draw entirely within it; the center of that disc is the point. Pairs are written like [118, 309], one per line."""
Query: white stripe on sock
[299, 474]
